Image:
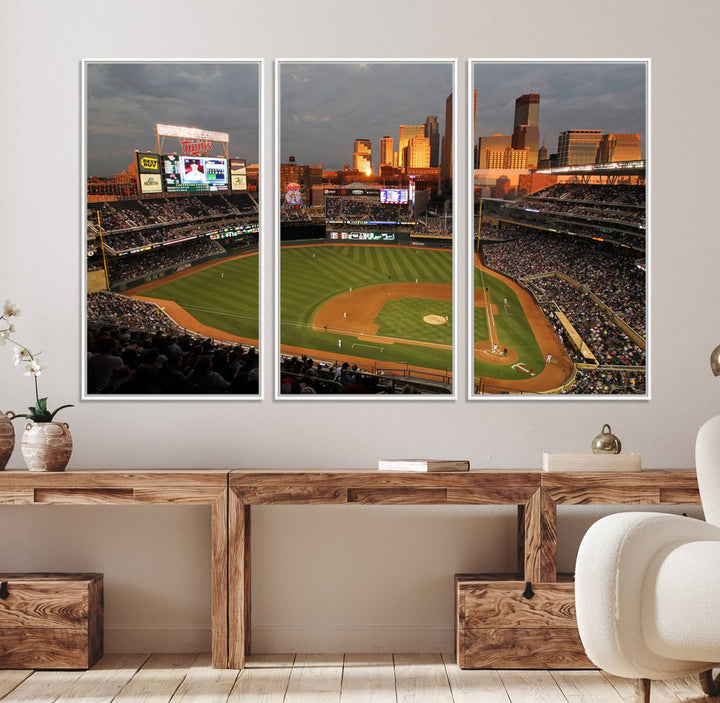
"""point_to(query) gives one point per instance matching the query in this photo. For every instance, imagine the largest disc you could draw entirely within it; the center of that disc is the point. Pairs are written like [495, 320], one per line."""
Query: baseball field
[374, 305]
[383, 303]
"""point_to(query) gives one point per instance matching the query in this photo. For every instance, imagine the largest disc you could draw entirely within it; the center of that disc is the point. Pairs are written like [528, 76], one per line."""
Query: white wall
[326, 577]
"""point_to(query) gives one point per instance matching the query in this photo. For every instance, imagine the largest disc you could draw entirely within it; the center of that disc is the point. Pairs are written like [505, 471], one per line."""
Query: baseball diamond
[371, 304]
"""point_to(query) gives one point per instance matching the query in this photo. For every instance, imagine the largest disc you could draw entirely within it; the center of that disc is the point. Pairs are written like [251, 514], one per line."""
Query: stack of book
[422, 465]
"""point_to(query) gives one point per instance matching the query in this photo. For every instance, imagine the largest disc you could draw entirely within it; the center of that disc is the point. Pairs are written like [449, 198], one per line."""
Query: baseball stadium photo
[172, 217]
[366, 229]
[559, 264]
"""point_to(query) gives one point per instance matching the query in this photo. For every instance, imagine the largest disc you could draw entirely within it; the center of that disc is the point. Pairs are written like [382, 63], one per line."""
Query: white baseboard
[150, 640]
[275, 640]
[371, 638]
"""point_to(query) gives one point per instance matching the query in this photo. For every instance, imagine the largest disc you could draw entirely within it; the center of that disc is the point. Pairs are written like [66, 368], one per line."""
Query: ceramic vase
[7, 437]
[46, 446]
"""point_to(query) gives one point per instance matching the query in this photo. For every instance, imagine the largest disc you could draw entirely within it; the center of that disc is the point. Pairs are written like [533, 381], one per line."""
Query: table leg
[537, 538]
[219, 615]
[238, 581]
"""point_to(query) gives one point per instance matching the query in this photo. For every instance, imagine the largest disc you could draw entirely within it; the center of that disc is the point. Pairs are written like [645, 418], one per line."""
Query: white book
[592, 462]
[422, 465]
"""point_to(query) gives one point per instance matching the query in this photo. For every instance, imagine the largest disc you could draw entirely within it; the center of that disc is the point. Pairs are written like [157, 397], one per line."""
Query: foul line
[370, 346]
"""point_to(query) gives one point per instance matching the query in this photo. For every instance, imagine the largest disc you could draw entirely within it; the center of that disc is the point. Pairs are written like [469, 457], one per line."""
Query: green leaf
[57, 410]
[42, 404]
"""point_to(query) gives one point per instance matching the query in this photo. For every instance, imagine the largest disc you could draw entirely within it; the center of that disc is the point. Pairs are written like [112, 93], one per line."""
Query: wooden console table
[537, 495]
[201, 487]
[231, 495]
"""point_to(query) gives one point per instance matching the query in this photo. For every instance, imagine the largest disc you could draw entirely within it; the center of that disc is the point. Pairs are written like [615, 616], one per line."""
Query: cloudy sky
[607, 96]
[324, 107]
[126, 100]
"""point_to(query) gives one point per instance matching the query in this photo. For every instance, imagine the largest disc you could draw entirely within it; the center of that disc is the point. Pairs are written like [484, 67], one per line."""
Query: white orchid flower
[22, 355]
[10, 309]
[33, 368]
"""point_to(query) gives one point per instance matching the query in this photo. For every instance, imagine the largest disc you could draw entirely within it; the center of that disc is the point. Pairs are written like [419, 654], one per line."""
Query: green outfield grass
[312, 275]
[513, 329]
[228, 303]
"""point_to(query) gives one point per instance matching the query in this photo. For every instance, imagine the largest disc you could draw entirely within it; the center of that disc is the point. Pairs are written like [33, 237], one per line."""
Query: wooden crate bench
[50, 621]
[497, 626]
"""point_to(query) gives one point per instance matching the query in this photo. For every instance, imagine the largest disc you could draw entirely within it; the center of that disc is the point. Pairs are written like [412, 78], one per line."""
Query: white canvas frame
[470, 220]
[276, 259]
[263, 356]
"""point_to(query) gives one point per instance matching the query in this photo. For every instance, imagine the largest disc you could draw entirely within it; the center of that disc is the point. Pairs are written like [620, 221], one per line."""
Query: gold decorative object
[606, 442]
[715, 361]
[46, 446]
[7, 437]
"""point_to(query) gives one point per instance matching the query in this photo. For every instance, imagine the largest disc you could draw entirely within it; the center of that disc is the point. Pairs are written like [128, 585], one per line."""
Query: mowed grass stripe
[429, 268]
[378, 262]
[228, 303]
[306, 287]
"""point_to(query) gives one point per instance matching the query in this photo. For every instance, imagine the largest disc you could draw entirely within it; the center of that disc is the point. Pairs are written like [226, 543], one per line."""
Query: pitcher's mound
[434, 319]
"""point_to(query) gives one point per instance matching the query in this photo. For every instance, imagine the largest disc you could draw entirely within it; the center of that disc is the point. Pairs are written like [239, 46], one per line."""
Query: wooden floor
[350, 678]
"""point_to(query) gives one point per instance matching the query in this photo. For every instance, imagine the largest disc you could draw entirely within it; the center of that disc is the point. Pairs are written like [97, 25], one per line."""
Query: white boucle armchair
[647, 586]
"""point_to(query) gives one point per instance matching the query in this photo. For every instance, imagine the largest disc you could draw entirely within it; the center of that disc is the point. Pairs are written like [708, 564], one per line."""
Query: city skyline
[126, 100]
[326, 106]
[584, 95]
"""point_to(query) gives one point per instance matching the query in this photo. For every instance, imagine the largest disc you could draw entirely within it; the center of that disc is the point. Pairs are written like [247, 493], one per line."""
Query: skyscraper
[418, 153]
[405, 133]
[619, 147]
[577, 147]
[476, 157]
[491, 150]
[446, 165]
[432, 132]
[526, 133]
[362, 156]
[386, 151]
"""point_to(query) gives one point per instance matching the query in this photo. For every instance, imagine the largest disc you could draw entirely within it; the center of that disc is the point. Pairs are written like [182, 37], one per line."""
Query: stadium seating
[134, 348]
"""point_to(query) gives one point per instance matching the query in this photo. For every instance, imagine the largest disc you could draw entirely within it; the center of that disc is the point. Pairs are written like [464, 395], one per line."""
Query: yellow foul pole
[102, 248]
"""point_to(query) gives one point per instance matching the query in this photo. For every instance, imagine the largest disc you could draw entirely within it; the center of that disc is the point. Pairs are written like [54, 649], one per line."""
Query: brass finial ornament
[715, 361]
[606, 442]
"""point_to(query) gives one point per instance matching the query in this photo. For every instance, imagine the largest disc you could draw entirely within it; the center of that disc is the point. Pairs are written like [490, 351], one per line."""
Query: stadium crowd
[345, 210]
[596, 212]
[604, 381]
[303, 375]
[130, 214]
[612, 276]
[619, 194]
[290, 214]
[609, 343]
[134, 348]
[126, 268]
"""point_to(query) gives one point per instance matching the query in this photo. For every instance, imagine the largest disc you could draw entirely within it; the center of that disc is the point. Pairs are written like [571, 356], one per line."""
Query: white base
[151, 640]
[352, 639]
[280, 640]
